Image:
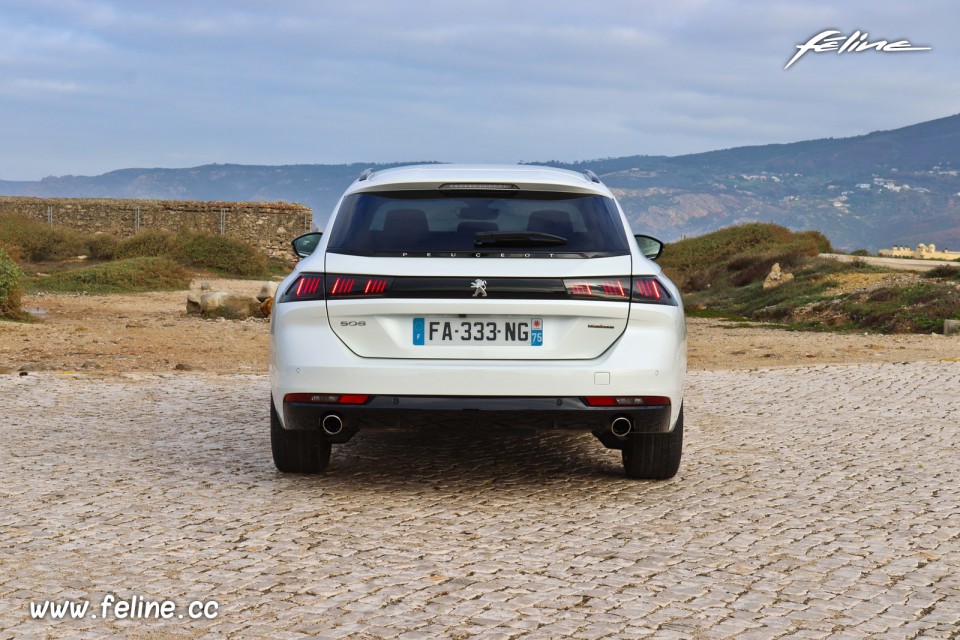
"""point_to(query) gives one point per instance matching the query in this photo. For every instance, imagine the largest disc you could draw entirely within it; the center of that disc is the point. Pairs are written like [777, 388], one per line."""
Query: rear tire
[297, 451]
[653, 456]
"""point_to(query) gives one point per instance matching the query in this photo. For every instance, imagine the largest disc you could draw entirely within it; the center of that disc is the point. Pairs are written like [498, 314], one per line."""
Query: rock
[230, 303]
[205, 286]
[268, 290]
[193, 302]
[951, 327]
[266, 307]
[183, 367]
[211, 300]
[776, 277]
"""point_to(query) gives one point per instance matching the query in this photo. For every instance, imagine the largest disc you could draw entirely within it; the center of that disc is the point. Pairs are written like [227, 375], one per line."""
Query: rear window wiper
[516, 239]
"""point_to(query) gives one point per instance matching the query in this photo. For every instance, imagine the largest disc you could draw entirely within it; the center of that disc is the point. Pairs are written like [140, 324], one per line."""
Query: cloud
[33, 87]
[147, 83]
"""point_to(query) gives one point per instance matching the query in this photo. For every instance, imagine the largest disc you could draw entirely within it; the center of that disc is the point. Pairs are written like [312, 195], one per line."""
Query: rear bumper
[480, 413]
[644, 361]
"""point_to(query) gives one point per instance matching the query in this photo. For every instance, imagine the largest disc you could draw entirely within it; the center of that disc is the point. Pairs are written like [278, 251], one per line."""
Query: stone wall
[270, 226]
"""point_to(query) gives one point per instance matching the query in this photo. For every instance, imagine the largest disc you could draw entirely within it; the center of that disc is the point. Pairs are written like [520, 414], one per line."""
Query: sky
[90, 86]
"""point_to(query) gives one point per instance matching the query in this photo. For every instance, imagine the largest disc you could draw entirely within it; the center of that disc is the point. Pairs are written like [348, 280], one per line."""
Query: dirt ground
[152, 332]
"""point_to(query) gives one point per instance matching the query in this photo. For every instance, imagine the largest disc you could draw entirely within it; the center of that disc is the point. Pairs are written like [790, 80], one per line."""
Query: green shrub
[883, 294]
[919, 308]
[701, 280]
[13, 251]
[10, 287]
[817, 239]
[860, 252]
[944, 271]
[104, 247]
[38, 241]
[148, 243]
[33, 240]
[225, 255]
[739, 255]
[130, 275]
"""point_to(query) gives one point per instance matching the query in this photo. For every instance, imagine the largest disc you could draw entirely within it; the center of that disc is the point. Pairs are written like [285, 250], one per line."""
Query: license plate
[489, 331]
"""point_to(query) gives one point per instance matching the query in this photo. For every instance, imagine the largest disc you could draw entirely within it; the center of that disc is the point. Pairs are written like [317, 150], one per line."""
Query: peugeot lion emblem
[479, 288]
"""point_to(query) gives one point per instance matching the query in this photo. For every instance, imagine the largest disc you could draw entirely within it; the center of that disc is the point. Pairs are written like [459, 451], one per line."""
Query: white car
[478, 295]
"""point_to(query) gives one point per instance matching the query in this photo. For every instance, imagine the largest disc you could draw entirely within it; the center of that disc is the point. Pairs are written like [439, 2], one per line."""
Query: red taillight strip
[375, 285]
[357, 286]
[620, 289]
[342, 286]
[598, 288]
[327, 398]
[642, 289]
[613, 288]
[648, 288]
[306, 287]
[312, 283]
[627, 401]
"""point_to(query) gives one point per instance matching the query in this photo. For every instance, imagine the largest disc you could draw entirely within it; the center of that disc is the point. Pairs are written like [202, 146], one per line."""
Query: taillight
[598, 288]
[374, 286]
[327, 398]
[342, 285]
[645, 289]
[627, 401]
[316, 286]
[309, 286]
[650, 290]
[352, 286]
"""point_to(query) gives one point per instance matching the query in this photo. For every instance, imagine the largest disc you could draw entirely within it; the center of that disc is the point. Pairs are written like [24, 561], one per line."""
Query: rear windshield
[432, 222]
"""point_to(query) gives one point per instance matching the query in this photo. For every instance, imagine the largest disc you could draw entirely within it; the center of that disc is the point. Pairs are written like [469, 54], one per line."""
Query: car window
[430, 221]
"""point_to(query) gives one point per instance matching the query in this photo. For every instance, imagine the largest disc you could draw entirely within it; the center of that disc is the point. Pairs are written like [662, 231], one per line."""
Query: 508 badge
[353, 323]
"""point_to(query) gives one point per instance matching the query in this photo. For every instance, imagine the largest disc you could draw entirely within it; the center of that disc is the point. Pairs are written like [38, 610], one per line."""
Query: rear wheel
[297, 451]
[653, 456]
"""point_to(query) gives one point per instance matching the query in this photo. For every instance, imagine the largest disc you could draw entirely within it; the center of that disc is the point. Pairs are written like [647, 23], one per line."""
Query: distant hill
[869, 191]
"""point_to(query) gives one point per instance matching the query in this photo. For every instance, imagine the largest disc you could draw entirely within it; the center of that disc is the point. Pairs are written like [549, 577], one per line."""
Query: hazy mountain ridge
[875, 190]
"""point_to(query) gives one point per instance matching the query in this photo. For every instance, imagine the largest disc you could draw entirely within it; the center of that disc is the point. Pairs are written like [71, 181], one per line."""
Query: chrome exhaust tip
[331, 424]
[621, 426]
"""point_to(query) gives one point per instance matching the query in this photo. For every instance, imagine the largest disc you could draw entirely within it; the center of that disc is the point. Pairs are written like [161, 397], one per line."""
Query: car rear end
[474, 296]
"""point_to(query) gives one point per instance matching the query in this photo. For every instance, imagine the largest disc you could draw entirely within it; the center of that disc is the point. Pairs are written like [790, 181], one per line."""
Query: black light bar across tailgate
[319, 286]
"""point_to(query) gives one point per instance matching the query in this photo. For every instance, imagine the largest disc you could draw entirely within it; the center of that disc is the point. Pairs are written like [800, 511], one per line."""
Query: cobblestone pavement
[817, 502]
